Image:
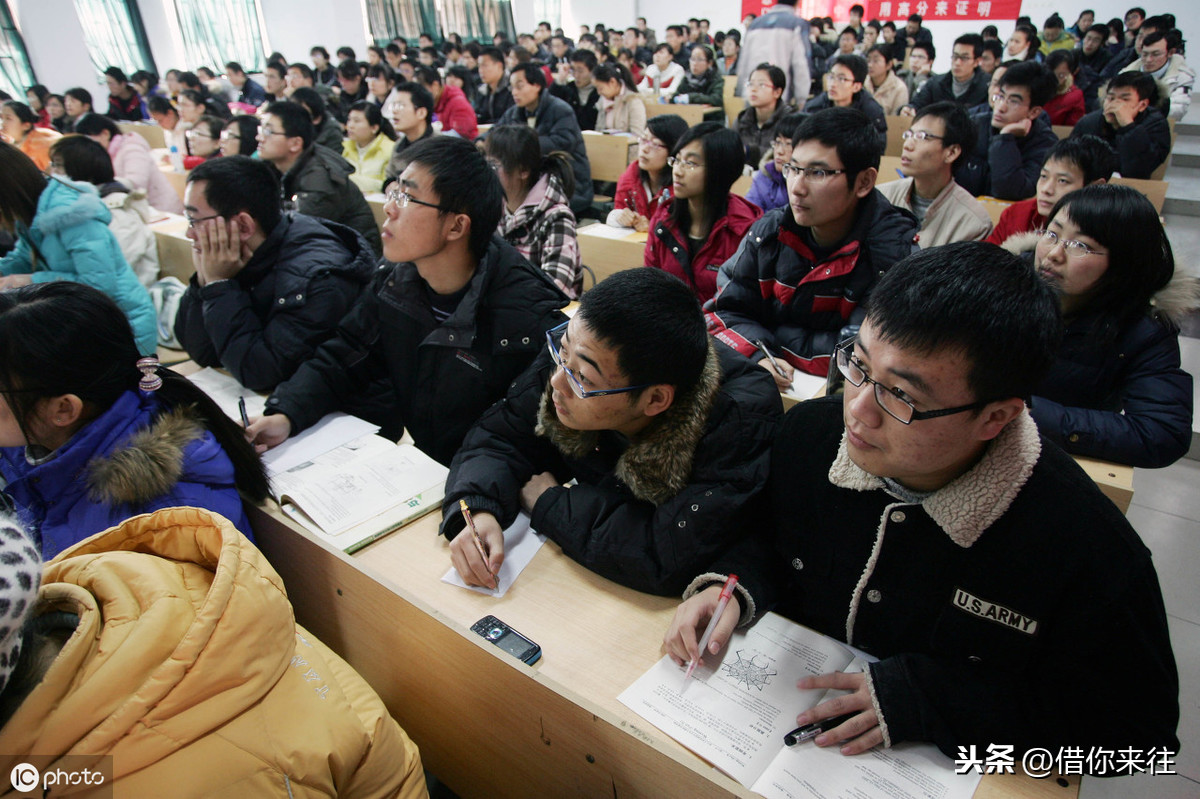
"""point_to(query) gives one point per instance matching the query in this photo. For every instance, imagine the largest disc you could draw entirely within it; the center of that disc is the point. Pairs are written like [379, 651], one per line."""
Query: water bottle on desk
[176, 159]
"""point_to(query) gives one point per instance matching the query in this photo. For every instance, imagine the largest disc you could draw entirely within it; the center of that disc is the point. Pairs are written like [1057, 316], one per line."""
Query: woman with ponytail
[91, 433]
[621, 107]
[537, 214]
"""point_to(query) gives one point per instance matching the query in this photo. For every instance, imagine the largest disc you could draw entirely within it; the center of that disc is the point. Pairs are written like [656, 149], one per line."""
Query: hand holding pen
[484, 574]
[782, 372]
[848, 720]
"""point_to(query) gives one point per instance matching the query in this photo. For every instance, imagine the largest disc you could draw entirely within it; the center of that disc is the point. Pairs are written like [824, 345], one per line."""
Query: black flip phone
[508, 639]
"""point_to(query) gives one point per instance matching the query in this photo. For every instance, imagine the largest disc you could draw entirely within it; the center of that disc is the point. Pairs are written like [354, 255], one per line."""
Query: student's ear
[1035, 111]
[658, 398]
[1098, 182]
[460, 228]
[1142, 105]
[995, 416]
[246, 225]
[864, 182]
[61, 412]
[952, 153]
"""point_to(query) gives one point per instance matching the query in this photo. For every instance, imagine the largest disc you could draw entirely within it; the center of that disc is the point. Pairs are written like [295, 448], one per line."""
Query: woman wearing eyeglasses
[204, 141]
[1116, 391]
[646, 183]
[62, 233]
[702, 225]
[240, 136]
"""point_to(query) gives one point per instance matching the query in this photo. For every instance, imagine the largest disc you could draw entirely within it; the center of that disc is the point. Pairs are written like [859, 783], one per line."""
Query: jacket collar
[658, 463]
[971, 503]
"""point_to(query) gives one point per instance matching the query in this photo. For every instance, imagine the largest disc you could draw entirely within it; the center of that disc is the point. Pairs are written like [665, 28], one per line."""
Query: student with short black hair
[412, 120]
[323, 71]
[1131, 123]
[124, 102]
[248, 91]
[495, 96]
[450, 323]
[1012, 138]
[965, 83]
[833, 241]
[768, 190]
[1066, 107]
[450, 105]
[315, 180]
[328, 131]
[764, 108]
[846, 79]
[991, 56]
[663, 432]
[1161, 57]
[882, 82]
[703, 84]
[580, 91]
[919, 69]
[78, 102]
[704, 222]
[1094, 52]
[353, 87]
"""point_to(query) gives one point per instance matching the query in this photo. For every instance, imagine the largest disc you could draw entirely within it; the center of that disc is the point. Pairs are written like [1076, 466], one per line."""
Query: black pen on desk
[810, 731]
[242, 411]
[763, 348]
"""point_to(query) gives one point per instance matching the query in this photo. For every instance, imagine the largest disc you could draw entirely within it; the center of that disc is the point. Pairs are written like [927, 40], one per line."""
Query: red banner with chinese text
[897, 10]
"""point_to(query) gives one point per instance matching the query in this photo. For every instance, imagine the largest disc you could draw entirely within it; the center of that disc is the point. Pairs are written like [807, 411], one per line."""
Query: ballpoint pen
[722, 601]
[810, 731]
[242, 410]
[763, 348]
[466, 512]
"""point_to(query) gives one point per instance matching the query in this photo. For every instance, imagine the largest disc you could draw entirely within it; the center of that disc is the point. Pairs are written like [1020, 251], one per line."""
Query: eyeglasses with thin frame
[1015, 100]
[191, 223]
[553, 337]
[919, 135]
[230, 136]
[1075, 249]
[813, 175]
[841, 79]
[781, 145]
[265, 131]
[690, 166]
[760, 85]
[890, 400]
[402, 199]
[962, 56]
[650, 143]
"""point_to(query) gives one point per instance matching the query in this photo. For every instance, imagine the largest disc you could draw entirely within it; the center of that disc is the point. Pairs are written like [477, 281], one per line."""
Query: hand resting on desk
[267, 432]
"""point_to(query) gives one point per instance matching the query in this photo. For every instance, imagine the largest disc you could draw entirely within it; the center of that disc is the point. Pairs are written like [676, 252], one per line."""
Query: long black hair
[65, 337]
[516, 147]
[723, 159]
[374, 117]
[667, 128]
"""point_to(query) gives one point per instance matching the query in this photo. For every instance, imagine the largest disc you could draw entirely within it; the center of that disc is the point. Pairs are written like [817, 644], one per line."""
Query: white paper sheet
[333, 431]
[603, 231]
[805, 386]
[225, 391]
[521, 543]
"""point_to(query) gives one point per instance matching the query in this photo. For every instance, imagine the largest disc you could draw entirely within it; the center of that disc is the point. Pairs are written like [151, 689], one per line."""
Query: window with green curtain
[217, 31]
[115, 35]
[16, 74]
[408, 18]
[478, 20]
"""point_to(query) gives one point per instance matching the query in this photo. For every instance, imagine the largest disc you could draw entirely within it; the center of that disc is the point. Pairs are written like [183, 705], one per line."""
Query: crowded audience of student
[645, 184]
[757, 123]
[768, 190]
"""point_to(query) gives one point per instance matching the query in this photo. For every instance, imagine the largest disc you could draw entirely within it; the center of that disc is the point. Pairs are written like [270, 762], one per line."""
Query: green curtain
[478, 20]
[217, 31]
[16, 74]
[408, 18]
[114, 35]
[471, 19]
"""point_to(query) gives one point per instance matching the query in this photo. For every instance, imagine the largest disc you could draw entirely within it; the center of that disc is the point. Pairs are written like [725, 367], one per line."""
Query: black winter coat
[861, 101]
[647, 513]
[1141, 146]
[442, 375]
[558, 129]
[320, 184]
[286, 301]
[935, 90]
[1005, 166]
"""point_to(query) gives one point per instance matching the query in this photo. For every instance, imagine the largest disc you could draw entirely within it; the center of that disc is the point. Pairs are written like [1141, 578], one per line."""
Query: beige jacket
[187, 667]
[628, 113]
[954, 215]
[892, 95]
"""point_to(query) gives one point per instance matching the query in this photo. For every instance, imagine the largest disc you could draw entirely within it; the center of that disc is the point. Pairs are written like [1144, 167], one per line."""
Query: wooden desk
[604, 255]
[174, 247]
[692, 114]
[1155, 190]
[178, 180]
[888, 166]
[153, 134]
[896, 125]
[609, 154]
[730, 101]
[376, 200]
[1114, 479]
[994, 206]
[488, 725]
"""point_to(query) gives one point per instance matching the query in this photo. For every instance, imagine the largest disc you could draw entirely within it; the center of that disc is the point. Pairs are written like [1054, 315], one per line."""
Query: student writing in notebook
[920, 517]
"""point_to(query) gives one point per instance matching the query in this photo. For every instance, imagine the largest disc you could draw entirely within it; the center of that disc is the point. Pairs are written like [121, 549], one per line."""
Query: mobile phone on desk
[509, 640]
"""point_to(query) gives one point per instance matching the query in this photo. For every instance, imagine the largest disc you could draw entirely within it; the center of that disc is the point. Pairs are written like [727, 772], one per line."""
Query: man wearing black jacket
[665, 432]
[455, 317]
[965, 83]
[580, 92]
[1131, 124]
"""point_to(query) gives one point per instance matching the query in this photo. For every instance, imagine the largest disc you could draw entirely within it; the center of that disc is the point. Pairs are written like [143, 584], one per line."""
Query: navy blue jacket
[558, 129]
[1002, 165]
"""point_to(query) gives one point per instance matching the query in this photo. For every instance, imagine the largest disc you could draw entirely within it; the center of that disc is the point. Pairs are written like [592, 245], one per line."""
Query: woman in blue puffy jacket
[62, 233]
[91, 434]
[1116, 391]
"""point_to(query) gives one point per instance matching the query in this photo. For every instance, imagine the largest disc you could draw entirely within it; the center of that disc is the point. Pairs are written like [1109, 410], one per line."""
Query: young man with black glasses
[664, 434]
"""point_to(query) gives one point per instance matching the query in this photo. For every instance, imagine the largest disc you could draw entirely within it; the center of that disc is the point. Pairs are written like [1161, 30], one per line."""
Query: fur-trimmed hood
[148, 464]
[971, 503]
[66, 203]
[658, 463]
[1174, 301]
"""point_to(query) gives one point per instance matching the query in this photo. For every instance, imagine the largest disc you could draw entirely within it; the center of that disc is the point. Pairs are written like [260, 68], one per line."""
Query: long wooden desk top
[488, 725]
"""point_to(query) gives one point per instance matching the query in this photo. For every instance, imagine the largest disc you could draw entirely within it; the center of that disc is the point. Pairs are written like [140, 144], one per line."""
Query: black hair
[82, 332]
[654, 323]
[304, 69]
[972, 40]
[319, 49]
[1068, 57]
[667, 128]
[206, 72]
[349, 69]
[857, 9]
[374, 117]
[618, 72]
[848, 31]
[1033, 76]
[276, 57]
[117, 74]
[420, 96]
[1141, 12]
[887, 23]
[427, 76]
[735, 34]
[1138, 265]
[1116, 27]
[929, 49]
[377, 50]
[160, 105]
[25, 114]
[1144, 84]
[196, 96]
[990, 30]
[788, 124]
[1054, 21]
[855, 63]
[494, 53]
[915, 18]
[1032, 40]
[189, 80]
[1099, 29]
[708, 54]
[246, 127]
[585, 57]
[234, 67]
[238, 183]
[83, 159]
[994, 47]
[776, 75]
[464, 183]
[381, 71]
[957, 127]
[883, 48]
[848, 130]
[974, 298]
[39, 91]
[394, 49]
[532, 73]
[311, 99]
[516, 147]
[296, 120]
[21, 188]
[723, 159]
[346, 54]
[80, 94]
[664, 46]
[213, 126]
[278, 67]
[1092, 155]
[1155, 38]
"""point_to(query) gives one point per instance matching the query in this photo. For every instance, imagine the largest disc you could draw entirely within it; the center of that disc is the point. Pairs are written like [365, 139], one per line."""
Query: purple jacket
[768, 190]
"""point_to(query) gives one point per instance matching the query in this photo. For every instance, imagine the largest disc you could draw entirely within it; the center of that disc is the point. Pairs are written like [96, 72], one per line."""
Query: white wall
[294, 26]
[54, 40]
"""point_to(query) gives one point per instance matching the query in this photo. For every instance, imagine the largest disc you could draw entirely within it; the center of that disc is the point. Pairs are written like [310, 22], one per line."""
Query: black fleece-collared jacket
[647, 513]
[1013, 606]
[442, 375]
[319, 184]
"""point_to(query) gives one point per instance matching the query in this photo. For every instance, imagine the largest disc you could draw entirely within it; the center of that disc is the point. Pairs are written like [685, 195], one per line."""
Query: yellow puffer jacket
[369, 165]
[188, 668]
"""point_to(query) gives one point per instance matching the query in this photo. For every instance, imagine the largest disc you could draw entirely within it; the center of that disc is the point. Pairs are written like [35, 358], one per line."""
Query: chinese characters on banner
[897, 10]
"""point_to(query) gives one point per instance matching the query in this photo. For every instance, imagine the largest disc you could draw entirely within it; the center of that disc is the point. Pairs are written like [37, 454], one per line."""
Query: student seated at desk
[803, 273]
[132, 161]
[168, 644]
[846, 78]
[665, 432]
[703, 223]
[240, 137]
[1007, 599]
[621, 108]
[1116, 391]
[456, 317]
[369, 143]
[537, 189]
[1131, 124]
[92, 434]
[269, 287]
[703, 84]
[768, 189]
[646, 183]
[204, 141]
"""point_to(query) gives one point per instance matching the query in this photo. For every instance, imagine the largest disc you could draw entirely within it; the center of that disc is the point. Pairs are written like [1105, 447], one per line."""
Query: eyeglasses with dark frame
[812, 174]
[553, 337]
[919, 135]
[402, 199]
[889, 399]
